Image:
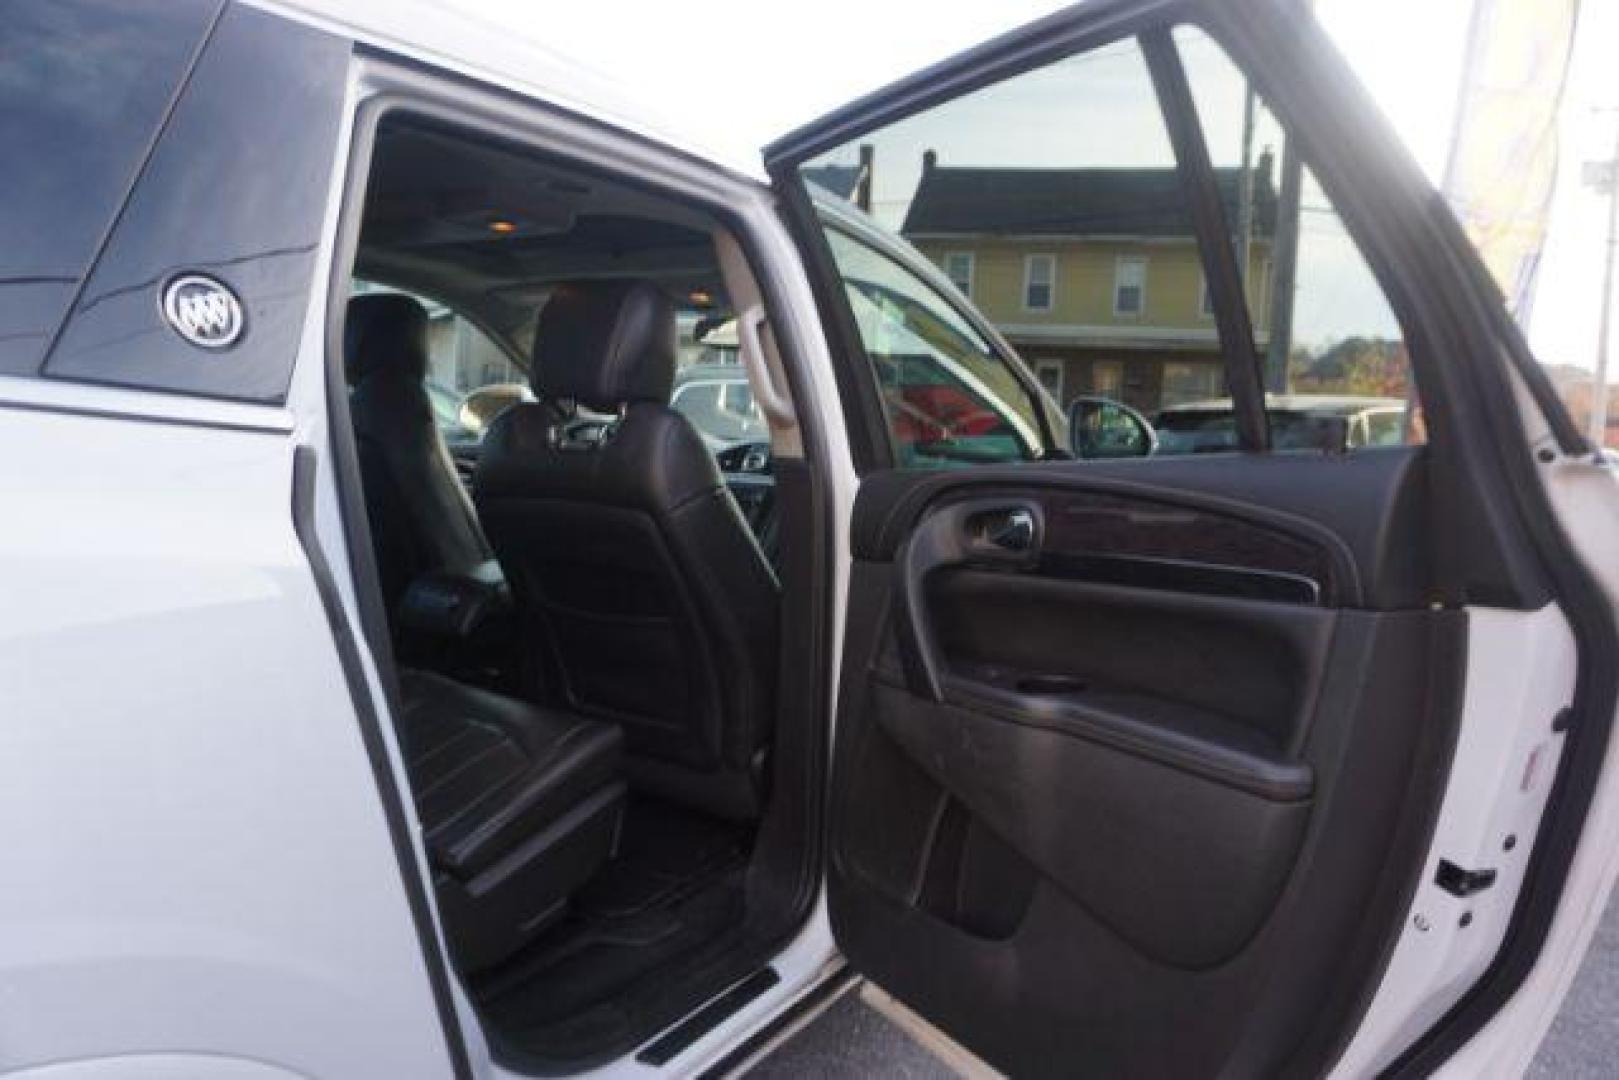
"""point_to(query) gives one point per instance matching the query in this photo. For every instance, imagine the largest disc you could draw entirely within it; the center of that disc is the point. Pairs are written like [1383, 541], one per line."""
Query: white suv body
[214, 863]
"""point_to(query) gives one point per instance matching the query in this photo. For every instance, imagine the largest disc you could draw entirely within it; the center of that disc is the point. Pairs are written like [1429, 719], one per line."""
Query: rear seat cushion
[489, 771]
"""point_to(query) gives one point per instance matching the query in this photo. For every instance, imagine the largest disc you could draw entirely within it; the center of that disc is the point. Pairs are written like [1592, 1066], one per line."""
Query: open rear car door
[1272, 761]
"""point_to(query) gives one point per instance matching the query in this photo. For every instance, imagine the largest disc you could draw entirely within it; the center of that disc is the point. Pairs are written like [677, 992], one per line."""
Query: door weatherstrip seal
[367, 590]
[348, 654]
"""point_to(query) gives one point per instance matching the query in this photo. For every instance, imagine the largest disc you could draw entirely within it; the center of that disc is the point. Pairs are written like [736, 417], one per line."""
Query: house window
[1192, 381]
[1129, 285]
[1039, 282]
[1050, 374]
[1107, 378]
[958, 267]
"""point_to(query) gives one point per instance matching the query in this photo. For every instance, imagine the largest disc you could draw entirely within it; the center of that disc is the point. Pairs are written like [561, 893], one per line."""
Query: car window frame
[1151, 32]
[1222, 274]
[1482, 389]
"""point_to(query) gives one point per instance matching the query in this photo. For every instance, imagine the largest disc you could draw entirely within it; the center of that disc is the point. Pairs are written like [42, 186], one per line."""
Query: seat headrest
[385, 332]
[605, 344]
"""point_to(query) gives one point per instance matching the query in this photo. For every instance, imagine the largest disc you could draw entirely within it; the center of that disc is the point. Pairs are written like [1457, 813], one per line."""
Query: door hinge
[1459, 882]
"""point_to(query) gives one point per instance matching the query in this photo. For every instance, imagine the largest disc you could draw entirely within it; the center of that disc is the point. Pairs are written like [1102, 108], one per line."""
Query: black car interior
[585, 623]
[1155, 728]
[421, 517]
[519, 806]
[644, 593]
[1132, 758]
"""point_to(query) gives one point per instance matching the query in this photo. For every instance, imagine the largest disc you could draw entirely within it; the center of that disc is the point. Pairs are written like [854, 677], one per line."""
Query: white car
[328, 752]
[1297, 421]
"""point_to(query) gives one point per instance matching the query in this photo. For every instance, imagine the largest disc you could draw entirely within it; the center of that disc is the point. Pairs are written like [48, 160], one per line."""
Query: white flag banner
[1503, 154]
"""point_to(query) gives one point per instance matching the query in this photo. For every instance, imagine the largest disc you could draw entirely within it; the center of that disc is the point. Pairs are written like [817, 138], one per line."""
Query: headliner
[427, 226]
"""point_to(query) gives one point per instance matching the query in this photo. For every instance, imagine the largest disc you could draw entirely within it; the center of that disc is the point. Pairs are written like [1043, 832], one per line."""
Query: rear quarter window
[235, 188]
[84, 86]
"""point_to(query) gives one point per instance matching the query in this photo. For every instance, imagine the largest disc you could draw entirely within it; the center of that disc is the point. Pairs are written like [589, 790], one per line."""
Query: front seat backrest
[421, 518]
[646, 598]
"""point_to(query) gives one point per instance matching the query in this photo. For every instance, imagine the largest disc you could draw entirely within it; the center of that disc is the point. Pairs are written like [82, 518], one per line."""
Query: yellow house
[1093, 274]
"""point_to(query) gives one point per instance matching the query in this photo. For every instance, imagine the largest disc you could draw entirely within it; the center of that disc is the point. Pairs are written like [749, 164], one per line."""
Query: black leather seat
[519, 807]
[646, 598]
[421, 519]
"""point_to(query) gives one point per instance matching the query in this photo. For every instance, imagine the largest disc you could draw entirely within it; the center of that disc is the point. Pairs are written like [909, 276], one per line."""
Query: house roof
[840, 180]
[1071, 202]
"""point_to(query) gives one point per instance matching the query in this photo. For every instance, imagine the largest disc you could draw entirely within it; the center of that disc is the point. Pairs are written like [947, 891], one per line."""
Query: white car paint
[197, 857]
[492, 53]
[1585, 495]
[1520, 675]
[1507, 724]
[157, 555]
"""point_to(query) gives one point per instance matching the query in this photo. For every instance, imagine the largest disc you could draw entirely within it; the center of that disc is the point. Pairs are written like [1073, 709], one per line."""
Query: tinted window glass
[83, 86]
[1331, 345]
[236, 188]
[1061, 186]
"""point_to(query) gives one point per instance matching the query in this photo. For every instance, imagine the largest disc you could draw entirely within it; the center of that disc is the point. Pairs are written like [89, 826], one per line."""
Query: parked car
[324, 760]
[1297, 421]
[718, 402]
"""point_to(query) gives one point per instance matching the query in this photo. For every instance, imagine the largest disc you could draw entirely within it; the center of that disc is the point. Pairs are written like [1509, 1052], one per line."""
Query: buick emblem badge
[203, 310]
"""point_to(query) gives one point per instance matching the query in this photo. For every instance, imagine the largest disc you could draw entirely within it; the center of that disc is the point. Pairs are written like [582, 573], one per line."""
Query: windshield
[721, 408]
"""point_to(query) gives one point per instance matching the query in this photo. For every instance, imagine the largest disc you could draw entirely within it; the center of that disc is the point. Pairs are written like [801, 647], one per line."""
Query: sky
[736, 73]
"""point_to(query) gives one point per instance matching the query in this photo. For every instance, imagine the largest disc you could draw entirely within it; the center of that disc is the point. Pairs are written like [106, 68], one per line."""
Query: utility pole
[1605, 175]
[1284, 267]
[863, 179]
[1245, 187]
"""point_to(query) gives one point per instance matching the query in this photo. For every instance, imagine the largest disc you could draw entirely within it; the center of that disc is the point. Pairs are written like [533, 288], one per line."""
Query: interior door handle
[979, 532]
[1013, 531]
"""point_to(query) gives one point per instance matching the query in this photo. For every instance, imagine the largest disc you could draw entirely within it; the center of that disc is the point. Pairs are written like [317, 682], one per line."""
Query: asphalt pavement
[853, 1040]
[1584, 1039]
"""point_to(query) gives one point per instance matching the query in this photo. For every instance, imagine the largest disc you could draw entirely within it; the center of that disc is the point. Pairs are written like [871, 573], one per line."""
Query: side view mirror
[1104, 428]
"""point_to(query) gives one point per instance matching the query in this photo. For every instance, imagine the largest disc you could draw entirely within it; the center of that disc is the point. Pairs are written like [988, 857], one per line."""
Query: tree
[1363, 367]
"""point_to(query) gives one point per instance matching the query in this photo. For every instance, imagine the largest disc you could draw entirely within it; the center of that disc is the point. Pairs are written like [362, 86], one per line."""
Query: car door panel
[1123, 802]
[1155, 789]
[1180, 865]
[1219, 686]
[1355, 524]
